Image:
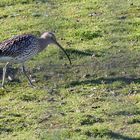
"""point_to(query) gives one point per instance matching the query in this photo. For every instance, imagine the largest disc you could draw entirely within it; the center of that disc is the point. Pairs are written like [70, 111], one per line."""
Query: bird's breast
[26, 55]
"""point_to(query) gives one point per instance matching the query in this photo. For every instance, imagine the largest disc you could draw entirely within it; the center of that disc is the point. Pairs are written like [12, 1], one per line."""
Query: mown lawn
[98, 97]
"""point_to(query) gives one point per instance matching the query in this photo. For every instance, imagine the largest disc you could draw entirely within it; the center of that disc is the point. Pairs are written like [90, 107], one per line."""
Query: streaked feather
[17, 45]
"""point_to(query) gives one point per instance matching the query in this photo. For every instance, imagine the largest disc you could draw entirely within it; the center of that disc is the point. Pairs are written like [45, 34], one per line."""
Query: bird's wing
[16, 45]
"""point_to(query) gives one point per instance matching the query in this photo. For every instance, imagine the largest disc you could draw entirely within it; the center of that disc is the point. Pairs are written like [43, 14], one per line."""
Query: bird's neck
[43, 43]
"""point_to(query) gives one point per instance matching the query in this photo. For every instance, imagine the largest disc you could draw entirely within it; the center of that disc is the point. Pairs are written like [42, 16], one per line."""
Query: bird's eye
[52, 37]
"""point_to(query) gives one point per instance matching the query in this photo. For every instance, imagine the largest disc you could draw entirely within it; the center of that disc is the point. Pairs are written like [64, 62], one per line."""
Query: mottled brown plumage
[21, 48]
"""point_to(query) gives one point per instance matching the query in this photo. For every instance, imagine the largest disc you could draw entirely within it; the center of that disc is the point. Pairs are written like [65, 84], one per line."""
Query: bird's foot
[32, 85]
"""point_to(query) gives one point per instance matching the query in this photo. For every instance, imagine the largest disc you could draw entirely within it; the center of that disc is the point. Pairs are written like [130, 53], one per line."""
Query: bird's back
[18, 48]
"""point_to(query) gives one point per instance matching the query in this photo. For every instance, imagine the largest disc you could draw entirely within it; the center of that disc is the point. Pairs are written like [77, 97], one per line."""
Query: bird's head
[49, 36]
[51, 39]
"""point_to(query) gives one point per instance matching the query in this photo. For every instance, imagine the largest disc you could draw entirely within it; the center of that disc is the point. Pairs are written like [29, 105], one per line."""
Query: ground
[98, 96]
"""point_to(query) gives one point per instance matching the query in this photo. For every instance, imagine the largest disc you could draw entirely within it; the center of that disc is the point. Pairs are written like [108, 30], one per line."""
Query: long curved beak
[63, 51]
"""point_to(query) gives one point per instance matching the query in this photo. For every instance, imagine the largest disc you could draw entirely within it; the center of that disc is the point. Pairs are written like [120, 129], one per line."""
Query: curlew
[22, 48]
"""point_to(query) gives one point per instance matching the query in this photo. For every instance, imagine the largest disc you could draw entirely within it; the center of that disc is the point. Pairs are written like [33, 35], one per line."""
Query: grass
[98, 97]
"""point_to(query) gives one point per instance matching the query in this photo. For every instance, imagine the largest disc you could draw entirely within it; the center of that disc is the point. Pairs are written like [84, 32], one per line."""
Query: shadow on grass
[43, 1]
[109, 133]
[79, 53]
[10, 72]
[118, 136]
[4, 130]
[107, 81]
[127, 113]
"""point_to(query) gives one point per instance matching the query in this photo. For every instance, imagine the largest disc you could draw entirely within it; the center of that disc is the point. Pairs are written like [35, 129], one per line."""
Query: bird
[22, 48]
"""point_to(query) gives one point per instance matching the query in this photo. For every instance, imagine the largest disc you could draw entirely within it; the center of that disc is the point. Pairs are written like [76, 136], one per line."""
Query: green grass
[98, 97]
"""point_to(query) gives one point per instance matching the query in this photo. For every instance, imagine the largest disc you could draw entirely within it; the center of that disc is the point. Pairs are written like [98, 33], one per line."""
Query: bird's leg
[24, 71]
[4, 74]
